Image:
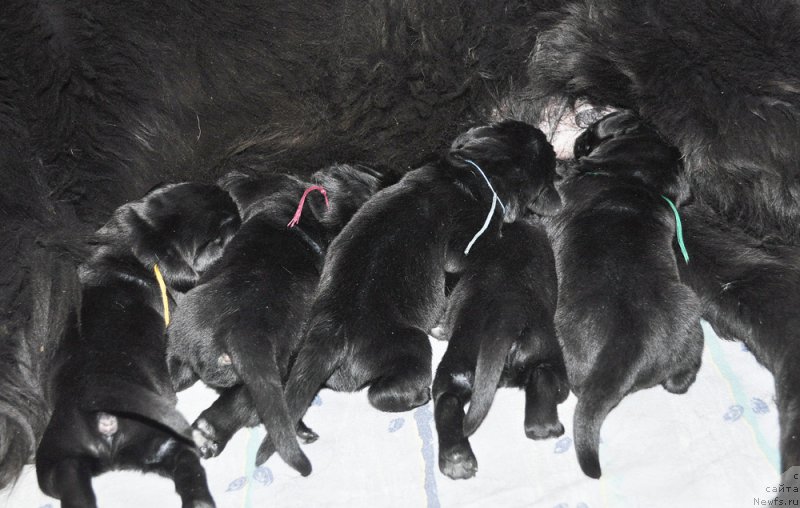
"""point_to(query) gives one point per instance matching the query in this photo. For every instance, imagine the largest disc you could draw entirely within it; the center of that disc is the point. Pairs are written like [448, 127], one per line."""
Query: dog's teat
[296, 219]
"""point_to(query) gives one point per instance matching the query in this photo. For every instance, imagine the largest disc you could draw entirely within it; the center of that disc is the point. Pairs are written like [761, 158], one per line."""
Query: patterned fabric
[714, 446]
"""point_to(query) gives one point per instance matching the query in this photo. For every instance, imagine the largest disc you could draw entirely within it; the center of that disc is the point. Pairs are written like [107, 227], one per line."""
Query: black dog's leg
[546, 388]
[452, 390]
[684, 375]
[406, 371]
[788, 400]
[216, 425]
[752, 294]
[73, 481]
[680, 382]
[233, 410]
[305, 434]
[181, 463]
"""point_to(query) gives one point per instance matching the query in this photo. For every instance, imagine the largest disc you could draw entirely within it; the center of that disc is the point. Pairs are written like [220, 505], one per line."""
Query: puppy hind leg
[405, 365]
[546, 388]
[72, 479]
[452, 389]
[181, 463]
[680, 381]
[233, 410]
[305, 434]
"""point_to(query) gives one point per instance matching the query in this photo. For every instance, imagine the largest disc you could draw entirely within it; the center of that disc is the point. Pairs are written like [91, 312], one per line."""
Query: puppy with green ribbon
[624, 320]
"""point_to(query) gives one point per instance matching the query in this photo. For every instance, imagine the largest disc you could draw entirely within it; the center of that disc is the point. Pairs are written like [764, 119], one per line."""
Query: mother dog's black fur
[382, 287]
[624, 319]
[252, 304]
[720, 81]
[100, 101]
[114, 401]
[501, 333]
[751, 293]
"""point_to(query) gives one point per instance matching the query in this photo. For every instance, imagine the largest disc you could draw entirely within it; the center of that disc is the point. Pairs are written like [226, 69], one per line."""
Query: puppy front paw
[544, 430]
[206, 439]
[458, 462]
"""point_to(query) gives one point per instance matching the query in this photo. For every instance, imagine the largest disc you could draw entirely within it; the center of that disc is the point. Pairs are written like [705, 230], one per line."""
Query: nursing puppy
[746, 181]
[624, 319]
[501, 333]
[382, 287]
[114, 402]
[241, 324]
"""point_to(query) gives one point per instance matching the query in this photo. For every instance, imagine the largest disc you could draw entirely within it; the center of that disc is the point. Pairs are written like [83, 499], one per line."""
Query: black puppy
[242, 323]
[114, 401]
[382, 287]
[501, 329]
[624, 319]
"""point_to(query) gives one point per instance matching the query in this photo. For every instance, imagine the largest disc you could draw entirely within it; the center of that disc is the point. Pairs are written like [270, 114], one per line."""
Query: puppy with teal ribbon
[624, 319]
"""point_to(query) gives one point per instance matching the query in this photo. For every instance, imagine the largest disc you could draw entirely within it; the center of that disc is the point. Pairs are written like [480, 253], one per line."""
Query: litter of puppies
[571, 281]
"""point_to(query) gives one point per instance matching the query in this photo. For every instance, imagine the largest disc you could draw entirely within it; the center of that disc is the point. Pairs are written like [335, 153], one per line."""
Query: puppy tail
[321, 353]
[119, 397]
[594, 403]
[491, 360]
[263, 382]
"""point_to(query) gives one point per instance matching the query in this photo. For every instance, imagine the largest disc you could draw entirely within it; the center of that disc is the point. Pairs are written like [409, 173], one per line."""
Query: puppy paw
[438, 332]
[544, 430]
[205, 437]
[680, 383]
[305, 434]
[386, 399]
[458, 462]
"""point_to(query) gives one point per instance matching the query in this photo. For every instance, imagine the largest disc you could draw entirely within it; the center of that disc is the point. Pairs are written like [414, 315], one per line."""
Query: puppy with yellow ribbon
[114, 400]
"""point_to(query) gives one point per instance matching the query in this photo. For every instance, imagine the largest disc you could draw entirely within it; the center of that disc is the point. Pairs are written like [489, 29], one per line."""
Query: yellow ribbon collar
[164, 296]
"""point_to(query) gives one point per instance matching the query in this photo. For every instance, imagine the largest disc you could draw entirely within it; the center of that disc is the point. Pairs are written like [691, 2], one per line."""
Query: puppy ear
[680, 191]
[614, 125]
[348, 188]
[547, 203]
[151, 246]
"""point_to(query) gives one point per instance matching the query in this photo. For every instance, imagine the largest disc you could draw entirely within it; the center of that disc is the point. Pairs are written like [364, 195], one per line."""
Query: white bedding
[716, 446]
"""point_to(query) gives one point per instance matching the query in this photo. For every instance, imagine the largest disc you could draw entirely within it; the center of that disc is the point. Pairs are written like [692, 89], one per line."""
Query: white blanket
[716, 446]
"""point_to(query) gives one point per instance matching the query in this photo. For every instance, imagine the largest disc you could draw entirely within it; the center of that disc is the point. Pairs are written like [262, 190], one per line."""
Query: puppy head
[621, 144]
[518, 161]
[181, 227]
[348, 187]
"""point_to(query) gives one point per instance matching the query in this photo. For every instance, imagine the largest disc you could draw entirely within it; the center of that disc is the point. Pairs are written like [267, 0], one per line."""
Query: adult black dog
[382, 287]
[625, 320]
[114, 401]
[501, 332]
[242, 323]
[726, 93]
[99, 102]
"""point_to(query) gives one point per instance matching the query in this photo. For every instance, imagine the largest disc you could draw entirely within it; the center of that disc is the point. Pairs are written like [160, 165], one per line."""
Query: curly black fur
[101, 101]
